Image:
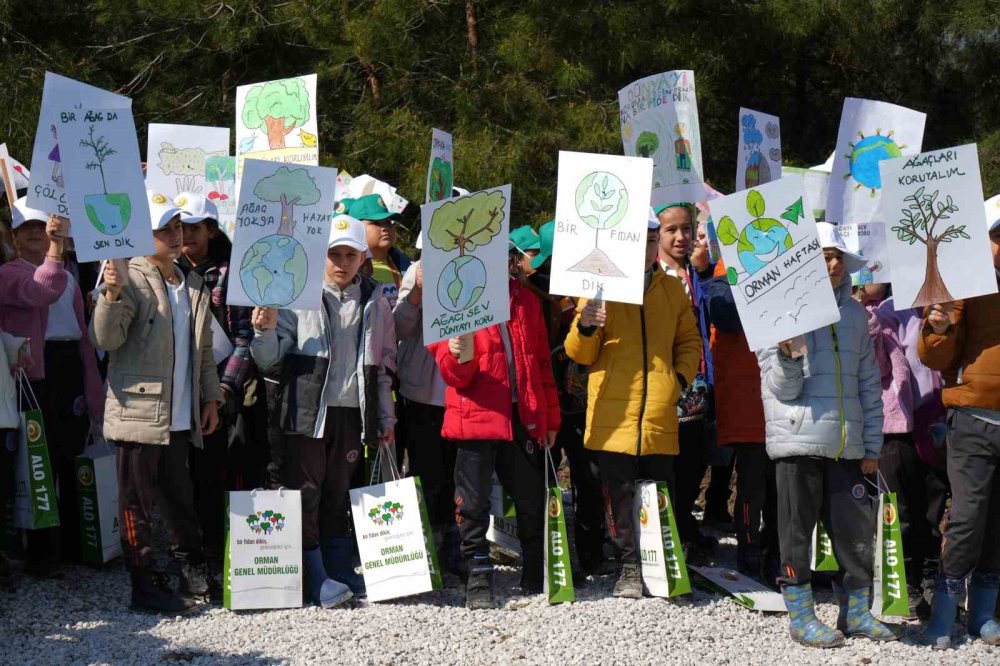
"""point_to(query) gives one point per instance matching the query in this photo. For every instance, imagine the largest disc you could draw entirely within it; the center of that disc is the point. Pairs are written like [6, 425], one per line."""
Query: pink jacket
[26, 293]
[897, 379]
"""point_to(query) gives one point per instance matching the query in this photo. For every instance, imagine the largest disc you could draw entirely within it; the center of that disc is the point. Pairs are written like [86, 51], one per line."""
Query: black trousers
[155, 474]
[519, 465]
[834, 491]
[322, 470]
[587, 490]
[689, 469]
[432, 458]
[921, 495]
[275, 436]
[756, 503]
[619, 473]
[972, 535]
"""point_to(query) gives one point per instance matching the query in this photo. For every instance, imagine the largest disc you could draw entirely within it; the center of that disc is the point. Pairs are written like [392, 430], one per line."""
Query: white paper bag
[97, 486]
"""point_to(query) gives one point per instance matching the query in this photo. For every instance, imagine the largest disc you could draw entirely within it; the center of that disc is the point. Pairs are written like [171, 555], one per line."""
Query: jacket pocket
[606, 377]
[140, 398]
[795, 419]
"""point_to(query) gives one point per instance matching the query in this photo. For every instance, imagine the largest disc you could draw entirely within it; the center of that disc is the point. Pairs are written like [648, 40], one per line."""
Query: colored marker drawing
[108, 212]
[601, 203]
[763, 239]
[866, 154]
[277, 108]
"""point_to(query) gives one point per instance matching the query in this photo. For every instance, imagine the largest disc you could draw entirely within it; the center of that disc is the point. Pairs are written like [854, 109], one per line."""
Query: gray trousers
[972, 534]
[834, 491]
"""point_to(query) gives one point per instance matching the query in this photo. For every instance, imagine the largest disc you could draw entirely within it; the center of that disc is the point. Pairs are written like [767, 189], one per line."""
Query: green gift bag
[664, 569]
[890, 596]
[425, 520]
[822, 550]
[34, 487]
[558, 581]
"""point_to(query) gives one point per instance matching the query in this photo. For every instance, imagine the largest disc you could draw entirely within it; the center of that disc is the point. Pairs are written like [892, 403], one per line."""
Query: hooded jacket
[827, 403]
[419, 377]
[897, 380]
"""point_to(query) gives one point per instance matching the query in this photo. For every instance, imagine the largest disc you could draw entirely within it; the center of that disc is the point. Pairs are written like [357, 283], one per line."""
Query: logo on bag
[34, 431]
[265, 522]
[85, 475]
[386, 513]
[555, 507]
[889, 514]
[661, 501]
[643, 516]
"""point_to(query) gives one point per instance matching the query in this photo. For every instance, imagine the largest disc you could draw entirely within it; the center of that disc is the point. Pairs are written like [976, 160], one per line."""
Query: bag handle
[25, 391]
[383, 453]
[880, 483]
[550, 465]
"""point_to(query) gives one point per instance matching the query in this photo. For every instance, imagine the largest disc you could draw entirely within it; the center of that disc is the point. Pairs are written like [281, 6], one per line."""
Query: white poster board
[937, 233]
[220, 172]
[816, 184]
[264, 550]
[276, 121]
[441, 168]
[176, 157]
[774, 260]
[47, 185]
[7, 174]
[758, 159]
[105, 190]
[282, 229]
[602, 211]
[465, 263]
[869, 133]
[745, 591]
[659, 120]
[868, 241]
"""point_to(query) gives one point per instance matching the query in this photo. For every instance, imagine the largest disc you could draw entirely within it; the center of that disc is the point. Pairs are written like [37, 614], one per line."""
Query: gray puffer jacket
[827, 403]
[419, 377]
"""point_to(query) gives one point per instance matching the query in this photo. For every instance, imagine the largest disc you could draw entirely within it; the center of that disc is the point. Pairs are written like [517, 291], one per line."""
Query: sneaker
[194, 580]
[629, 585]
[479, 591]
[151, 593]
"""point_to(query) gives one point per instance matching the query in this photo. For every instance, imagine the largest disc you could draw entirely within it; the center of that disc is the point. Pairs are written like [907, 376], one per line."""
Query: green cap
[523, 239]
[342, 206]
[546, 233]
[659, 209]
[370, 207]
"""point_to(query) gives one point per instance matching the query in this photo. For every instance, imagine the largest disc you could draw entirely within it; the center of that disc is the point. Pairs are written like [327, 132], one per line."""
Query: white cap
[993, 212]
[345, 230]
[196, 208]
[161, 209]
[829, 237]
[420, 241]
[22, 214]
[457, 191]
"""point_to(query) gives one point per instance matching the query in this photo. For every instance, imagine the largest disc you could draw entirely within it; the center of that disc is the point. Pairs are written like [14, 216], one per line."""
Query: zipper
[325, 314]
[645, 378]
[840, 393]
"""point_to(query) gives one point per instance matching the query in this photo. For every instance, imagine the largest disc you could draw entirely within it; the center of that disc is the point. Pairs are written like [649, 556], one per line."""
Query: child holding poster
[823, 410]
[641, 357]
[962, 340]
[336, 396]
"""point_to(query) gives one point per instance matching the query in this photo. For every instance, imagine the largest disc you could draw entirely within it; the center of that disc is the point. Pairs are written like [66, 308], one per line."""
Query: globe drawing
[865, 156]
[274, 271]
[462, 283]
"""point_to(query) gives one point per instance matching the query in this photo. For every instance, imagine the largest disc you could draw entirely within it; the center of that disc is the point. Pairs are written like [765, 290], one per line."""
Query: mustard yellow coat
[631, 400]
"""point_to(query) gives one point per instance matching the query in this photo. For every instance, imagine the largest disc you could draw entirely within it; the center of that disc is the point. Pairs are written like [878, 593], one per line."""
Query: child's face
[995, 246]
[168, 241]
[30, 238]
[652, 247]
[380, 234]
[196, 239]
[675, 233]
[342, 264]
[834, 265]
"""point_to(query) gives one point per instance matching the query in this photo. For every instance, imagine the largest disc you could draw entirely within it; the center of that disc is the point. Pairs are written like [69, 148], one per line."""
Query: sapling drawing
[763, 239]
[108, 212]
[601, 202]
[919, 223]
[865, 156]
[277, 108]
[647, 144]
[220, 171]
[464, 225]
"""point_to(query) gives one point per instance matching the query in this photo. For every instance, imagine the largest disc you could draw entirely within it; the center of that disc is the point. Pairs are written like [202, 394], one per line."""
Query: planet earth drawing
[865, 156]
[462, 283]
[274, 270]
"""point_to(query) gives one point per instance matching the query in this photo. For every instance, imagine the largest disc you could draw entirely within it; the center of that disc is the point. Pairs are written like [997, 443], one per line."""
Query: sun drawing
[866, 154]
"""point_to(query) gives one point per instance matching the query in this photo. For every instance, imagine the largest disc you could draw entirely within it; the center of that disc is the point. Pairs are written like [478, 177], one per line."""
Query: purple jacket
[897, 379]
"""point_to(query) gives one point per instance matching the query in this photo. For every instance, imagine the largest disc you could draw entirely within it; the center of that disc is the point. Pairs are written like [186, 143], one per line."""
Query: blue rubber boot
[855, 617]
[339, 554]
[983, 592]
[318, 587]
[803, 625]
[947, 594]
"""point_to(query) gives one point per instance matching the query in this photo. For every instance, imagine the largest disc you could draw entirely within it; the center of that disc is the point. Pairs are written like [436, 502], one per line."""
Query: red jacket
[477, 400]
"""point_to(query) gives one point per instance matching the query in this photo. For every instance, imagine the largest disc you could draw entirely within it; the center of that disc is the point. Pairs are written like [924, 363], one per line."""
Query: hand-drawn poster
[602, 214]
[758, 160]
[7, 173]
[816, 183]
[775, 262]
[465, 263]
[938, 237]
[441, 170]
[659, 119]
[47, 185]
[868, 241]
[282, 228]
[364, 185]
[276, 120]
[105, 190]
[220, 173]
[177, 157]
[869, 133]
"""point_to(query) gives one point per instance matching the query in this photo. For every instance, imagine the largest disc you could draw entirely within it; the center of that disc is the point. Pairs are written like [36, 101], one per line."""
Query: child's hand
[869, 466]
[209, 417]
[24, 360]
[549, 440]
[939, 317]
[416, 294]
[793, 348]
[264, 319]
[593, 314]
[113, 281]
[458, 346]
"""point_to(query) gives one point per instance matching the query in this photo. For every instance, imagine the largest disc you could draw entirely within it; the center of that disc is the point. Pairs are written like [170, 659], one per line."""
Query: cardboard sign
[744, 591]
[441, 169]
[774, 260]
[602, 213]
[105, 188]
[659, 120]
[465, 263]
[868, 241]
[47, 185]
[282, 229]
[177, 156]
[870, 132]
[938, 237]
[758, 160]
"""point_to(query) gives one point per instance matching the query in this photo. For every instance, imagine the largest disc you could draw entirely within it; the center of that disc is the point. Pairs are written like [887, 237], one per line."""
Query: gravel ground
[84, 619]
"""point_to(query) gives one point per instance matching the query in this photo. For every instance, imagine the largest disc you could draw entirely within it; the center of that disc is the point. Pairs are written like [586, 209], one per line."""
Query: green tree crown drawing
[289, 187]
[277, 107]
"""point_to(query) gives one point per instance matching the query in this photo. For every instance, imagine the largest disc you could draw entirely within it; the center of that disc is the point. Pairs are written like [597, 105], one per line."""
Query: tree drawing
[220, 169]
[277, 107]
[441, 179]
[601, 202]
[919, 222]
[647, 144]
[763, 239]
[288, 187]
[102, 151]
[109, 213]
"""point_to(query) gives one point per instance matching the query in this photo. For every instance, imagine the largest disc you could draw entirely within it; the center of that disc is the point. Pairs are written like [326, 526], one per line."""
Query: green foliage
[601, 200]
[220, 168]
[293, 186]
[467, 222]
[286, 101]
[919, 220]
[727, 231]
[755, 203]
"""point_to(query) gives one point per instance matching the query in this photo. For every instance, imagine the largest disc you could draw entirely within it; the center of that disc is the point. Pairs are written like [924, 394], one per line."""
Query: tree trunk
[471, 25]
[287, 224]
[934, 289]
[275, 132]
[373, 81]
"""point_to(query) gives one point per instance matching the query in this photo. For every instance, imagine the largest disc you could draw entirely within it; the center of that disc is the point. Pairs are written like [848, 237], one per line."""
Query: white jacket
[9, 417]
